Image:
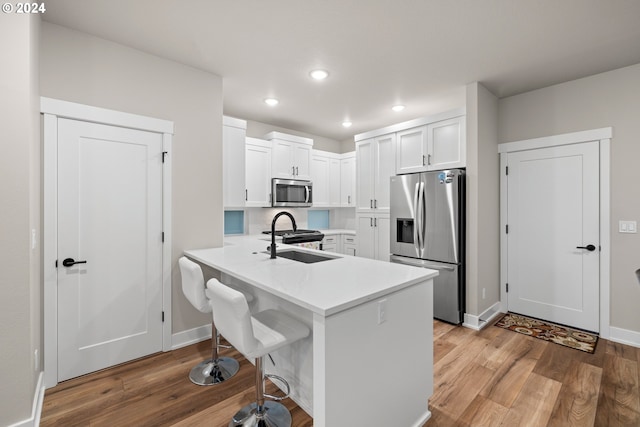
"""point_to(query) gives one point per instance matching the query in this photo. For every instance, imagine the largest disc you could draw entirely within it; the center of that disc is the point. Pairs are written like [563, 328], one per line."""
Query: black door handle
[590, 248]
[68, 262]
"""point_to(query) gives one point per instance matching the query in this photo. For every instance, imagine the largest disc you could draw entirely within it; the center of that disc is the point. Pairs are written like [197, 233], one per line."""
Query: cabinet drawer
[330, 240]
[348, 240]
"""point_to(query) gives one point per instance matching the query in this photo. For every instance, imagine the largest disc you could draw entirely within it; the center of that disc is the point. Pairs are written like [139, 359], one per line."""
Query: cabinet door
[334, 182]
[281, 159]
[320, 178]
[233, 166]
[411, 150]
[330, 243]
[258, 175]
[364, 174]
[446, 142]
[348, 244]
[347, 181]
[385, 168]
[366, 236]
[301, 160]
[383, 237]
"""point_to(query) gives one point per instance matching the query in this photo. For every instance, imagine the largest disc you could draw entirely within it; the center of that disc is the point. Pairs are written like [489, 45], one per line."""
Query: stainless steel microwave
[293, 193]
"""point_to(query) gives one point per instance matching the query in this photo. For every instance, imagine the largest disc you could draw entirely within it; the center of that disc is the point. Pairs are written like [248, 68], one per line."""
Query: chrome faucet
[273, 230]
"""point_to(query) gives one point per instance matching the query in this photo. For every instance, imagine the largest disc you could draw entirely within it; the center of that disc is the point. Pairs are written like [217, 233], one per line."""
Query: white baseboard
[423, 419]
[478, 322]
[624, 336]
[36, 409]
[191, 336]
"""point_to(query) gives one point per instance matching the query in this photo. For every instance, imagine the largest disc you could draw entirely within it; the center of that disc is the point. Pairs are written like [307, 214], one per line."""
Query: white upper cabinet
[375, 165]
[348, 179]
[334, 181]
[326, 178]
[435, 146]
[411, 150]
[233, 161]
[291, 156]
[446, 144]
[258, 173]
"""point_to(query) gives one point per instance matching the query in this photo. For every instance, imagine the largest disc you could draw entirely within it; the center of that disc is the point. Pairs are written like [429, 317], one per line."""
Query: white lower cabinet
[374, 236]
[348, 244]
[331, 243]
[339, 243]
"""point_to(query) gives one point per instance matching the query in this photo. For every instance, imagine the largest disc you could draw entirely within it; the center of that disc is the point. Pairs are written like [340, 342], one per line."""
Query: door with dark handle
[68, 262]
[590, 248]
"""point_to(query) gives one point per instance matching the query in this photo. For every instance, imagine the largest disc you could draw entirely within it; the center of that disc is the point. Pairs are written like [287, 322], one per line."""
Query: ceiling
[419, 53]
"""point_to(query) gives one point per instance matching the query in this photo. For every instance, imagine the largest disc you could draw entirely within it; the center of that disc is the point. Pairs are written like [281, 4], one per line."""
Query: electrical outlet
[382, 311]
[484, 293]
[36, 361]
[627, 227]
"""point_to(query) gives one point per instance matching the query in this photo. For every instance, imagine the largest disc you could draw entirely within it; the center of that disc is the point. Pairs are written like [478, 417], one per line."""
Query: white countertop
[325, 288]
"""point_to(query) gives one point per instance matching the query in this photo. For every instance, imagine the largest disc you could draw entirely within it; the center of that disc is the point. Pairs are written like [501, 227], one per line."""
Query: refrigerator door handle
[420, 211]
[416, 228]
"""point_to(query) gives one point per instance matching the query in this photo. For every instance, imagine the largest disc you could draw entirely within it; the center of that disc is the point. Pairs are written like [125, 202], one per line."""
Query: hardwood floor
[493, 377]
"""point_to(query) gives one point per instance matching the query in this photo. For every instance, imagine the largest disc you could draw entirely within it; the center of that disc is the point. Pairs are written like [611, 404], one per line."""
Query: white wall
[85, 69]
[607, 99]
[20, 321]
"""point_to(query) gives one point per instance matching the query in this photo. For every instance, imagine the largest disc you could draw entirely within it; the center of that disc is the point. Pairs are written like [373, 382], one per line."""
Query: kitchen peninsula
[369, 358]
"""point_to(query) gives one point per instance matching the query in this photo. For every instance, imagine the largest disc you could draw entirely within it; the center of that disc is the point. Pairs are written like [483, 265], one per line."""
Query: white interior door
[553, 210]
[109, 215]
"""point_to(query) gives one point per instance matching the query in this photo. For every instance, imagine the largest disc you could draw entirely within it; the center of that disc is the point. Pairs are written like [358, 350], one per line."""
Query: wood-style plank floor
[493, 377]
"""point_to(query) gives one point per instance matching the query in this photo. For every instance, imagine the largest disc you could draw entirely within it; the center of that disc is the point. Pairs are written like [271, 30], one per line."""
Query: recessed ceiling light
[319, 74]
[346, 124]
[271, 101]
[397, 108]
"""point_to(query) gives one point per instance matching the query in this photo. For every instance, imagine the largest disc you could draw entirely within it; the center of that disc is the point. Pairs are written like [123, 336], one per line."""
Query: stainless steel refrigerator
[428, 230]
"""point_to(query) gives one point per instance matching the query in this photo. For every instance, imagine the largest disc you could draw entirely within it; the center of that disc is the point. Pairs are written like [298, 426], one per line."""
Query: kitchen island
[369, 357]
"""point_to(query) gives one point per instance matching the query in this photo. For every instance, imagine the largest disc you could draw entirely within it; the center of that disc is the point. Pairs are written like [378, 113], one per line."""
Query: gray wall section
[259, 130]
[483, 190]
[20, 324]
[602, 100]
[81, 68]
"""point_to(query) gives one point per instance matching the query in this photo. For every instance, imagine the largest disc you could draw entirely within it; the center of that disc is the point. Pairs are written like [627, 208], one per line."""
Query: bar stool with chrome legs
[217, 369]
[255, 336]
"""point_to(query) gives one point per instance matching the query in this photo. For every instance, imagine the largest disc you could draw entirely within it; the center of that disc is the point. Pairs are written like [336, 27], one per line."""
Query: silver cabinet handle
[293, 170]
[375, 203]
[375, 222]
[370, 222]
[297, 172]
[348, 200]
[371, 203]
[423, 160]
[429, 159]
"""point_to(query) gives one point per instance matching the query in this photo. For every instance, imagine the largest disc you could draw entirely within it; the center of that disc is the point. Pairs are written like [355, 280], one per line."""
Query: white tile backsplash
[258, 220]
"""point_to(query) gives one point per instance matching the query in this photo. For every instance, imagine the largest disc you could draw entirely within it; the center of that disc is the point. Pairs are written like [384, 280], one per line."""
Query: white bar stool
[255, 336]
[217, 369]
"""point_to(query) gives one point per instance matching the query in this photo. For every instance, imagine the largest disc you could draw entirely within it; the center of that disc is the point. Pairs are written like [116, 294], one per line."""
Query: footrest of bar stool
[278, 378]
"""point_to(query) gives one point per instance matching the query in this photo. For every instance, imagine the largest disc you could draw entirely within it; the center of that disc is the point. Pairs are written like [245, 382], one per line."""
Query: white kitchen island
[369, 358]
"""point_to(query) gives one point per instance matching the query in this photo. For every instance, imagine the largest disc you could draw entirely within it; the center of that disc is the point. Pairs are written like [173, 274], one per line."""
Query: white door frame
[603, 136]
[52, 110]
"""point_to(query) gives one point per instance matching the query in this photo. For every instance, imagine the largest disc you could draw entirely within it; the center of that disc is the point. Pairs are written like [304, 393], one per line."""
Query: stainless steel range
[307, 238]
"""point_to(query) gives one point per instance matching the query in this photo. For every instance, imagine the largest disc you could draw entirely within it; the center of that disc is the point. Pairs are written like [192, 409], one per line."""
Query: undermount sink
[305, 257]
